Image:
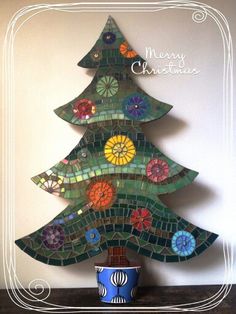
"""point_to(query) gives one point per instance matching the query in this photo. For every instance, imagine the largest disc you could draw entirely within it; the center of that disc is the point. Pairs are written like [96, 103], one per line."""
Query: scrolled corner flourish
[39, 289]
[199, 16]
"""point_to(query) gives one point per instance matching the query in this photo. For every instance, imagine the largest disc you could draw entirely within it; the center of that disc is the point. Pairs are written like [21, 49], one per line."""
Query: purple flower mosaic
[53, 237]
[136, 106]
[109, 37]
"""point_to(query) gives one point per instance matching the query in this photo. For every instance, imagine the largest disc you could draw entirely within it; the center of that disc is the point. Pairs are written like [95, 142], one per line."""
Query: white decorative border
[27, 298]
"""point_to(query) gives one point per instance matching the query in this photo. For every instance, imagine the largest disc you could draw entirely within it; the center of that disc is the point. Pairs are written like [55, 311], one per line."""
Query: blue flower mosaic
[136, 106]
[183, 243]
[92, 236]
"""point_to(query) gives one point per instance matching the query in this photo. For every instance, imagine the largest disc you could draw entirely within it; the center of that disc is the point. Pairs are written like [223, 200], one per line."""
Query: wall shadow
[195, 193]
[87, 266]
[162, 128]
[208, 260]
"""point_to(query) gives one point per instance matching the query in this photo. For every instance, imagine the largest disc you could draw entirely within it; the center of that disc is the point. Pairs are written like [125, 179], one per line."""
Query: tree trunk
[117, 257]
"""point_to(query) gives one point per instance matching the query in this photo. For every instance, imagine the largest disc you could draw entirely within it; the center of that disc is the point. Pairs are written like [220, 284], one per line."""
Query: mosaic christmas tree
[114, 176]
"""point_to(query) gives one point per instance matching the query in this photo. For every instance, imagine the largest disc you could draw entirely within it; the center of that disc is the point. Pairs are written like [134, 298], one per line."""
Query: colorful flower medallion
[107, 86]
[96, 55]
[53, 185]
[183, 243]
[157, 170]
[136, 106]
[127, 51]
[141, 219]
[101, 194]
[53, 237]
[92, 236]
[84, 109]
[109, 38]
[119, 150]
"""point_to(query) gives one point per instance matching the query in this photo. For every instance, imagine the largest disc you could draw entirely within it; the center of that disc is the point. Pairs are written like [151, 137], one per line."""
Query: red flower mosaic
[157, 170]
[141, 219]
[84, 108]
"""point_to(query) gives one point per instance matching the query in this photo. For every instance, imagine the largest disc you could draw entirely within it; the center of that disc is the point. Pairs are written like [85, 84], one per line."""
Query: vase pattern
[117, 284]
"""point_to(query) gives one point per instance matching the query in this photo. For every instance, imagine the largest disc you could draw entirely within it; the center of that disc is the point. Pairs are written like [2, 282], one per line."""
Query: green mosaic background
[110, 108]
[110, 53]
[86, 163]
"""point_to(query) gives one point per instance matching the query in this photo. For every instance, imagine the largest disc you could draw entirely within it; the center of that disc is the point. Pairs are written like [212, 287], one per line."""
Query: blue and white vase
[117, 284]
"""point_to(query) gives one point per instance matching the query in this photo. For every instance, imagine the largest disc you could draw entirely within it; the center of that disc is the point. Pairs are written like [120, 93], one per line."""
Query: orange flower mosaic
[101, 193]
[127, 51]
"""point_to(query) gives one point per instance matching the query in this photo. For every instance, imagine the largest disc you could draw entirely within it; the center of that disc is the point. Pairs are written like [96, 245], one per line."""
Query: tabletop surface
[147, 297]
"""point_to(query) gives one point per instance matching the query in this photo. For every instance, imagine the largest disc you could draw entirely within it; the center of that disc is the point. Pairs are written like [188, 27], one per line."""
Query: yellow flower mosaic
[119, 150]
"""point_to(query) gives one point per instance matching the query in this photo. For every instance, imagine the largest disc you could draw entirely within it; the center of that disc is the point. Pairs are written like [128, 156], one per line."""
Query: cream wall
[47, 50]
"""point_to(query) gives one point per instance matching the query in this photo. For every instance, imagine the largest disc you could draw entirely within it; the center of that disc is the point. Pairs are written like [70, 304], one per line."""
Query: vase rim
[117, 267]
